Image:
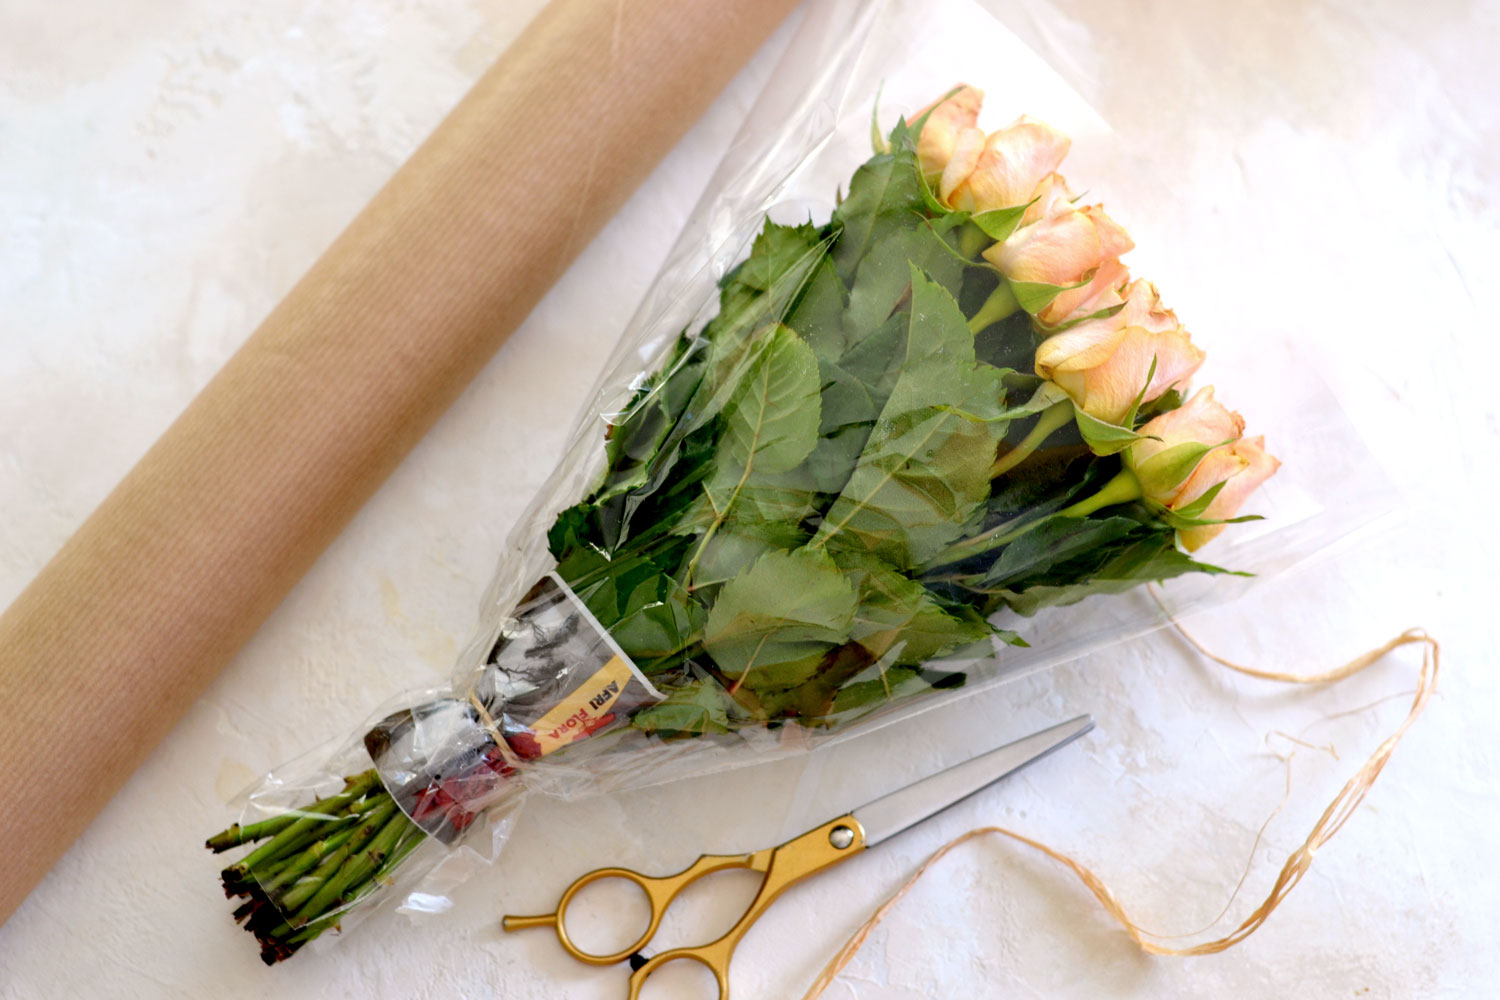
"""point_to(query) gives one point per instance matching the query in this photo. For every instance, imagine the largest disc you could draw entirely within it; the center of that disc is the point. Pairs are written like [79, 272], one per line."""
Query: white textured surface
[168, 170]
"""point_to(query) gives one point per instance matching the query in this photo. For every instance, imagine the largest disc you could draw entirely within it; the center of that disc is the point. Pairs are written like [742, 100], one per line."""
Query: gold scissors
[823, 847]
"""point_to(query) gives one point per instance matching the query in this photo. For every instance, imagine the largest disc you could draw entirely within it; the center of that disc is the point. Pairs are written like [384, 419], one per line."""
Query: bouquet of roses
[943, 409]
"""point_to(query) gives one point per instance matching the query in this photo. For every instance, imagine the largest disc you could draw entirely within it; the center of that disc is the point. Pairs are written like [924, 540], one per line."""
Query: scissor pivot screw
[841, 837]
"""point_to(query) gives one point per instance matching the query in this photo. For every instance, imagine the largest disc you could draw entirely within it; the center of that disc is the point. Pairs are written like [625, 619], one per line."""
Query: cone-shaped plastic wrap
[188, 555]
[893, 425]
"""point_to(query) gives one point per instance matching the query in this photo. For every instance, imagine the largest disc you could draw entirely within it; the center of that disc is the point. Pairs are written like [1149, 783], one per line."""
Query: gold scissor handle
[784, 866]
[659, 892]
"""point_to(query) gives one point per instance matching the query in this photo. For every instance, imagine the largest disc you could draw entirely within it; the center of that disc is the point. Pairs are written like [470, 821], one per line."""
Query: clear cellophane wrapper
[574, 682]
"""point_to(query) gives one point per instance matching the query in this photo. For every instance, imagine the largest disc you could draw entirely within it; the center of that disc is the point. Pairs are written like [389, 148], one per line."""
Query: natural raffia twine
[488, 721]
[1297, 863]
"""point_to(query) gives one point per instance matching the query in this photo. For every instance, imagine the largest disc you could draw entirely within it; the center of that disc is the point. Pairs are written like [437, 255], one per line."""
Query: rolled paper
[193, 549]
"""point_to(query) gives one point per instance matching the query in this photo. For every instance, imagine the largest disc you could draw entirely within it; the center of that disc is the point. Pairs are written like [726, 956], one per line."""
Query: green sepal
[1171, 467]
[931, 200]
[1181, 523]
[1044, 397]
[1135, 405]
[1104, 313]
[878, 143]
[1035, 296]
[1104, 438]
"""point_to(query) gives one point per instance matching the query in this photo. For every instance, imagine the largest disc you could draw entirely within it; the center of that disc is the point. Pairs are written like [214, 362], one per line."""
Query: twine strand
[488, 721]
[1297, 863]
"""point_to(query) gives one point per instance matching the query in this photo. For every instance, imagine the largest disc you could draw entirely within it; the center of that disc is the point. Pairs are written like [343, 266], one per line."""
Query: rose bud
[1241, 467]
[946, 119]
[1175, 472]
[1064, 247]
[1104, 291]
[1103, 363]
[1007, 169]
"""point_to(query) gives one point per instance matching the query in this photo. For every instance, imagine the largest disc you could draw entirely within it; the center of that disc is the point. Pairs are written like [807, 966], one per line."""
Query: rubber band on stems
[1297, 863]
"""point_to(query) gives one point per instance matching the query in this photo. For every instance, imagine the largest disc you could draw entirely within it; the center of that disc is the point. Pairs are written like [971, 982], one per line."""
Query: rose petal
[1058, 250]
[946, 118]
[1260, 465]
[1014, 163]
[1201, 419]
[1102, 292]
[965, 155]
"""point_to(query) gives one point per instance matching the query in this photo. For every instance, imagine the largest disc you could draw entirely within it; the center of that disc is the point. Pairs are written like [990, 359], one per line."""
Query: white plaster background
[168, 170]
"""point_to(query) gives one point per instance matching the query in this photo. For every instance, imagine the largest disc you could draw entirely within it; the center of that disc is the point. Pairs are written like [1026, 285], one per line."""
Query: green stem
[1001, 303]
[972, 239]
[308, 859]
[296, 899]
[1052, 419]
[323, 923]
[376, 836]
[236, 834]
[309, 819]
[1123, 488]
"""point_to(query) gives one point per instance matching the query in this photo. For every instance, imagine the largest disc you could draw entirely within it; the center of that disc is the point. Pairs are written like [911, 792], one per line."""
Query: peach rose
[1004, 170]
[1066, 246]
[1104, 291]
[1103, 363]
[1246, 466]
[947, 119]
[1241, 464]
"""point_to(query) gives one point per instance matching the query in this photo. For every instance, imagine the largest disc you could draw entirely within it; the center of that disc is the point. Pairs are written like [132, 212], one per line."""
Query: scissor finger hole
[681, 979]
[607, 916]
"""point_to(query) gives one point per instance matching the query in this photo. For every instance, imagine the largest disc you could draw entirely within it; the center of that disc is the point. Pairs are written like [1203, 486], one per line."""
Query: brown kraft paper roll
[181, 563]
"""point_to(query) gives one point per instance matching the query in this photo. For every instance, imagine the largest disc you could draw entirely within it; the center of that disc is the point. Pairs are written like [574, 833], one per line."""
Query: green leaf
[1055, 541]
[847, 400]
[605, 584]
[635, 438]
[1152, 558]
[763, 287]
[771, 419]
[818, 316]
[1166, 402]
[735, 547]
[890, 685]
[900, 622]
[1015, 500]
[883, 194]
[694, 709]
[935, 207]
[925, 470]
[786, 608]
[1043, 397]
[876, 360]
[659, 618]
[883, 279]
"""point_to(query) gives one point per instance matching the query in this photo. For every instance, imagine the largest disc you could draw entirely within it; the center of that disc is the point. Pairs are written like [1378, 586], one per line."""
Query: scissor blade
[906, 807]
